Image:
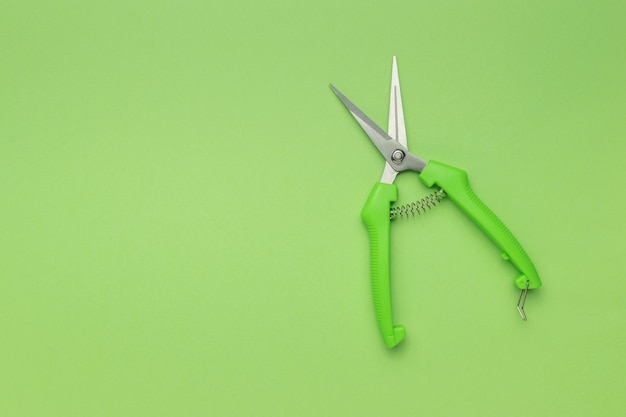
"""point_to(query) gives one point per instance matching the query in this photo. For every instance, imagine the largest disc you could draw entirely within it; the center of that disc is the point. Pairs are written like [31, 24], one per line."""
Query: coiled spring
[419, 207]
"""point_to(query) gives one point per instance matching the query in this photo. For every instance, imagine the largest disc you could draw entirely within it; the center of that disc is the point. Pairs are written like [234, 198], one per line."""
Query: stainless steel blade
[395, 126]
[396, 154]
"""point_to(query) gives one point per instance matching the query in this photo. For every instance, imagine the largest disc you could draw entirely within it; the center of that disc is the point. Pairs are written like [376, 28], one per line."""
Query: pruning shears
[451, 182]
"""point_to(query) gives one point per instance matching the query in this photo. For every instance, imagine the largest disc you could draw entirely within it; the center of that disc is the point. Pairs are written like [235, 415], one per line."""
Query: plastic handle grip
[375, 215]
[456, 185]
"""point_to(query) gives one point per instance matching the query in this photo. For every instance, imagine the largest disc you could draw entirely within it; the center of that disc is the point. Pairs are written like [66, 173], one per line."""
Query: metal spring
[419, 207]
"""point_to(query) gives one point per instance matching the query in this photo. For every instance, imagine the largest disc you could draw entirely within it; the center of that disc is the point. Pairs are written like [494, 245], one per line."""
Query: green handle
[375, 215]
[456, 185]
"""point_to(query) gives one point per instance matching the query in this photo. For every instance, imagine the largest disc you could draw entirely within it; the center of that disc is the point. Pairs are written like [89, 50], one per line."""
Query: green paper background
[180, 195]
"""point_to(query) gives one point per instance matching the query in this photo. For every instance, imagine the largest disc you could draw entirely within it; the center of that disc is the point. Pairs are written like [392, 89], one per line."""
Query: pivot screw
[397, 156]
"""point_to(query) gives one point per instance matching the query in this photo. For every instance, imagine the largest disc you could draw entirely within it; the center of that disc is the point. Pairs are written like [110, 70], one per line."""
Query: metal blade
[398, 156]
[395, 127]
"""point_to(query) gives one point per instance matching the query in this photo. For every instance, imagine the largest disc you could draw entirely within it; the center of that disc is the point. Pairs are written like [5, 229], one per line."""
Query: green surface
[180, 194]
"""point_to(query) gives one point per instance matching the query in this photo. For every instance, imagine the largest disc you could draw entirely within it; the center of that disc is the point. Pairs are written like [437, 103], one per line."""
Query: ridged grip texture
[455, 183]
[375, 215]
